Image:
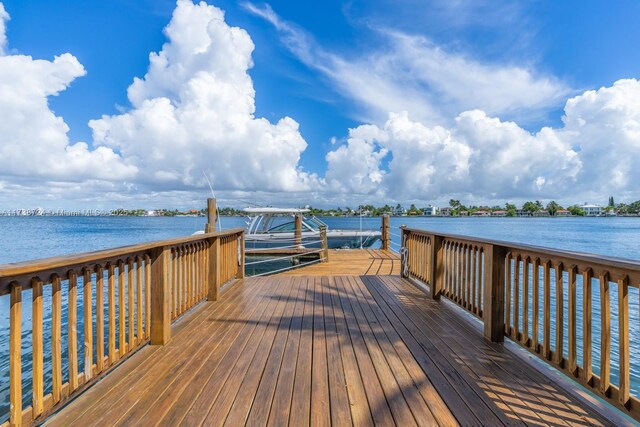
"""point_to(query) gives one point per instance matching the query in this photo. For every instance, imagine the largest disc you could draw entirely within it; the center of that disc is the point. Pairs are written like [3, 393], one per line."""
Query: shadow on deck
[341, 350]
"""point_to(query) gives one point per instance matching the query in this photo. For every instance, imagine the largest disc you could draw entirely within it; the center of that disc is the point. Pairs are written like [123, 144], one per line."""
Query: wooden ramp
[357, 262]
[342, 350]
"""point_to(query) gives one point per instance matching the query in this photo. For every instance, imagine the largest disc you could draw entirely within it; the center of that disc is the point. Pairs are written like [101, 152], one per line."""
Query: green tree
[576, 210]
[612, 203]
[511, 209]
[553, 208]
[530, 207]
[454, 203]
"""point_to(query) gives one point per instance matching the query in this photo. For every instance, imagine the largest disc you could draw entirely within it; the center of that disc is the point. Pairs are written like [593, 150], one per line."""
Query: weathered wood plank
[282, 395]
[359, 407]
[380, 410]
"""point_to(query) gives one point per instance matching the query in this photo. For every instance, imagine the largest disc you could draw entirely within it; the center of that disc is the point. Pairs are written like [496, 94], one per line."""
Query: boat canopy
[275, 210]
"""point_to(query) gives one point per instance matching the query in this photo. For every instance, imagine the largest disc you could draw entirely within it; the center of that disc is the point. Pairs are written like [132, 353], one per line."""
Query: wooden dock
[326, 350]
[366, 337]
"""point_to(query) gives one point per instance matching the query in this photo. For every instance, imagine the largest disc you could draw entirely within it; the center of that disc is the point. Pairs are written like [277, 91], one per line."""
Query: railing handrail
[9, 272]
[600, 260]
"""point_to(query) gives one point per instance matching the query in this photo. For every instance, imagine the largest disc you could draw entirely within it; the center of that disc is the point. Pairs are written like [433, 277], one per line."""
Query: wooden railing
[554, 303]
[127, 296]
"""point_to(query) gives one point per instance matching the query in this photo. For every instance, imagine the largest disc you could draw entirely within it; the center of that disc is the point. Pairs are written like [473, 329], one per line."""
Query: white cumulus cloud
[193, 112]
[595, 153]
[33, 141]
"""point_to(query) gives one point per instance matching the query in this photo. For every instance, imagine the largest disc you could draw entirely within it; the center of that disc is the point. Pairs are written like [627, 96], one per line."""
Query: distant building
[481, 213]
[522, 212]
[430, 211]
[446, 211]
[591, 210]
[499, 213]
[563, 212]
[399, 212]
[541, 212]
[463, 213]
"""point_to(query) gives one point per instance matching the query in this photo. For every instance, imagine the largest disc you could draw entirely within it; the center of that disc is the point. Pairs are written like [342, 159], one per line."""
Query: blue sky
[564, 48]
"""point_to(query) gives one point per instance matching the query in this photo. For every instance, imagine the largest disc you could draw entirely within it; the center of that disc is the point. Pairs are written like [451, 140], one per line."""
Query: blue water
[27, 238]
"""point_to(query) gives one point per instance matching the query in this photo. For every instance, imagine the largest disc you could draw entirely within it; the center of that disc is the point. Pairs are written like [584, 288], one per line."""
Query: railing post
[436, 272]
[494, 286]
[403, 252]
[298, 230]
[212, 212]
[240, 274]
[214, 269]
[324, 243]
[386, 235]
[160, 296]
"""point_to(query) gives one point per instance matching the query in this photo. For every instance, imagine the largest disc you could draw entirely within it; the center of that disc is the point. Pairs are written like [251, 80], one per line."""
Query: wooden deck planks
[355, 262]
[333, 350]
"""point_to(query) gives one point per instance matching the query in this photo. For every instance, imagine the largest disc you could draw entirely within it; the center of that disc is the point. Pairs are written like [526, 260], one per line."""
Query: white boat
[275, 227]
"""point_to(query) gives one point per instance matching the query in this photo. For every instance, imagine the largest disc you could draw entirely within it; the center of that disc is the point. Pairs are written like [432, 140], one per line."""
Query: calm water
[26, 238]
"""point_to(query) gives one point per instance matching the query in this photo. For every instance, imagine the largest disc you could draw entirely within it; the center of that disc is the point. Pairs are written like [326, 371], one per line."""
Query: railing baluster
[112, 313]
[15, 359]
[465, 277]
[605, 331]
[147, 296]
[88, 325]
[546, 310]
[37, 369]
[184, 286]
[559, 314]
[507, 310]
[525, 301]
[72, 334]
[139, 301]
[474, 283]
[176, 283]
[516, 298]
[623, 330]
[56, 340]
[535, 318]
[130, 305]
[122, 342]
[99, 318]
[587, 368]
[573, 362]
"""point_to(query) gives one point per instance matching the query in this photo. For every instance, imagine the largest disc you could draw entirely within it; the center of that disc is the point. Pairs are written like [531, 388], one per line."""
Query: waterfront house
[481, 213]
[430, 211]
[499, 213]
[523, 212]
[563, 212]
[446, 211]
[541, 213]
[591, 210]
